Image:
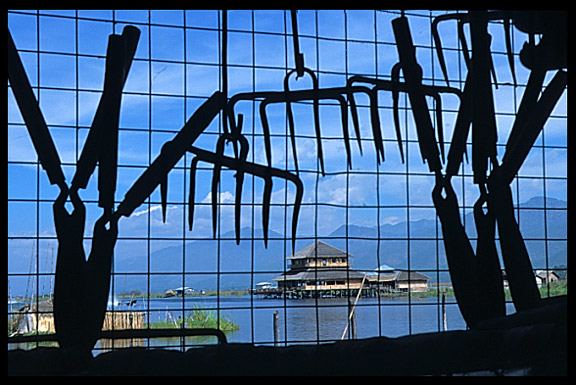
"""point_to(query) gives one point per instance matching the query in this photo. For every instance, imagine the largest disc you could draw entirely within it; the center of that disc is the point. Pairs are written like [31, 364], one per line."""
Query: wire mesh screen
[376, 212]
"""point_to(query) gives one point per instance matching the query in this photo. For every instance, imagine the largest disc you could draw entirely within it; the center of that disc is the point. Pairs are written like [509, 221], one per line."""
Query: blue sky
[160, 95]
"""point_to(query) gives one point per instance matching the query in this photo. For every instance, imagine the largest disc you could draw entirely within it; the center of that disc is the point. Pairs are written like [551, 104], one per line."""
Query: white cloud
[146, 211]
[223, 197]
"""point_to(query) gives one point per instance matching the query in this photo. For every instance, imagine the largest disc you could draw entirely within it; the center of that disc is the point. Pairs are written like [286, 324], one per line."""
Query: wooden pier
[40, 318]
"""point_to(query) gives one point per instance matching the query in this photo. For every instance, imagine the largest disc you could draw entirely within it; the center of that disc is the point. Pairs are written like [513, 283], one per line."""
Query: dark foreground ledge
[537, 348]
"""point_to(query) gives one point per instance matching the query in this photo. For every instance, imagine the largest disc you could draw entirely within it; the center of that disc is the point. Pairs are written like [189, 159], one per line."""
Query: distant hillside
[200, 258]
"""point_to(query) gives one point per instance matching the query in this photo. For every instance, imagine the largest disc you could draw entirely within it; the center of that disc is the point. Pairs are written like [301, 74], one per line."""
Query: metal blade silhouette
[35, 123]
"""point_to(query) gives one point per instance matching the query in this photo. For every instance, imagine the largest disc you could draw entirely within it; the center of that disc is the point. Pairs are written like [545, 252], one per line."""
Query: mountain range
[242, 266]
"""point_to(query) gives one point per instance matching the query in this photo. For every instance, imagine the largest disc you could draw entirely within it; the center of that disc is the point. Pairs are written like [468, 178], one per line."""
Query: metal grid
[178, 65]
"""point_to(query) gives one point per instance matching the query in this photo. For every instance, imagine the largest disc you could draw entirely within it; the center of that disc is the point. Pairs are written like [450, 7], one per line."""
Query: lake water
[311, 320]
[302, 320]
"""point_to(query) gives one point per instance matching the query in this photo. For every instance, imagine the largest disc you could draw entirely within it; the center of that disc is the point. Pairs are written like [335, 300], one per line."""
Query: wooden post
[351, 311]
[353, 332]
[444, 320]
[276, 324]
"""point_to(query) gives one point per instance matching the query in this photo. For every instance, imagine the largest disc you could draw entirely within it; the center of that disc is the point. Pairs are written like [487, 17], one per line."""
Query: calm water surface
[310, 320]
[303, 320]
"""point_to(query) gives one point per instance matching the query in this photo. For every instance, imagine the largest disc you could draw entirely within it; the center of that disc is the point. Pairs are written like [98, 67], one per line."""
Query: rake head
[242, 167]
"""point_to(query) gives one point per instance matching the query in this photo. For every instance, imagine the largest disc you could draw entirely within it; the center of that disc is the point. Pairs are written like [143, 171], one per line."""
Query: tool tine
[266, 207]
[492, 69]
[440, 53]
[292, 134]
[439, 124]
[354, 112]
[395, 107]
[239, 184]
[191, 193]
[344, 115]
[164, 196]
[397, 123]
[509, 53]
[462, 38]
[296, 211]
[316, 107]
[266, 130]
[214, 203]
[375, 120]
[238, 203]
[237, 133]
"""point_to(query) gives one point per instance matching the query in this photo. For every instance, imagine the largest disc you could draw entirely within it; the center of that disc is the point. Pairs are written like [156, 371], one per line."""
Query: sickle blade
[214, 203]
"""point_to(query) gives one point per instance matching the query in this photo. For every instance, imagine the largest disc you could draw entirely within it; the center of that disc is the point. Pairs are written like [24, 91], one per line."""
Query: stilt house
[320, 266]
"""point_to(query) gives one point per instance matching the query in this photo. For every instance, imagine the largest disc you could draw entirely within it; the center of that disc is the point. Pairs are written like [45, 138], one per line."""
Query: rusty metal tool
[491, 298]
[267, 173]
[315, 95]
[516, 259]
[413, 78]
[171, 152]
[121, 49]
[395, 87]
[484, 130]
[461, 19]
[522, 137]
[316, 109]
[459, 253]
[288, 97]
[35, 123]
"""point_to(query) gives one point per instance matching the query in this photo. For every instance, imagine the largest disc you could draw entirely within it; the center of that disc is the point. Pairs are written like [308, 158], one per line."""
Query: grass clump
[198, 319]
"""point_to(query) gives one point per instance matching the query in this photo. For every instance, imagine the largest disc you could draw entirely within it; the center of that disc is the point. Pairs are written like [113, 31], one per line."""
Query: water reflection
[311, 320]
[300, 321]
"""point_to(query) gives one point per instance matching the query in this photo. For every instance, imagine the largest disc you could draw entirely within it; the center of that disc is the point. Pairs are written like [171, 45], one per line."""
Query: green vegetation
[554, 289]
[198, 318]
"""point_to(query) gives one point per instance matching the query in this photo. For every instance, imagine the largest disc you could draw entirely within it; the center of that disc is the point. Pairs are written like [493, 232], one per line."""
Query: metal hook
[374, 116]
[298, 57]
[315, 106]
[239, 181]
[462, 18]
